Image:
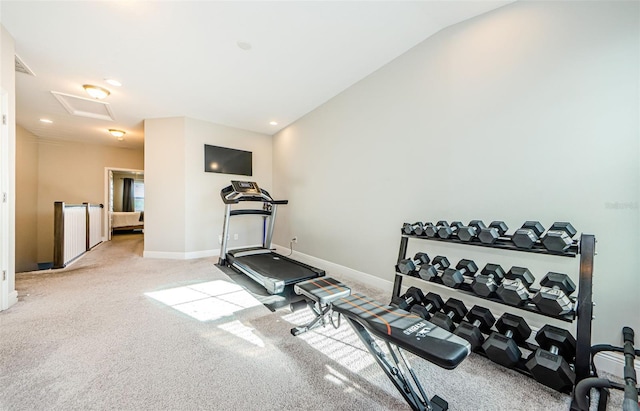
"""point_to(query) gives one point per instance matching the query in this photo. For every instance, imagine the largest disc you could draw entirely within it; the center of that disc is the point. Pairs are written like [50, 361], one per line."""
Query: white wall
[7, 86]
[527, 112]
[183, 209]
[164, 162]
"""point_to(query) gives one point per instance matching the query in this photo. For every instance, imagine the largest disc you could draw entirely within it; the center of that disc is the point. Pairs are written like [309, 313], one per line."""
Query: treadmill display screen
[249, 187]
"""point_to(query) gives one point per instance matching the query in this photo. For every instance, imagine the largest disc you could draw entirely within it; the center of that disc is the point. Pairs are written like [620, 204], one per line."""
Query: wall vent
[21, 67]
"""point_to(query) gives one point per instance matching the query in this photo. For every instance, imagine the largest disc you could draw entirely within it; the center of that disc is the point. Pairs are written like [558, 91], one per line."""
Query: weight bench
[318, 294]
[398, 329]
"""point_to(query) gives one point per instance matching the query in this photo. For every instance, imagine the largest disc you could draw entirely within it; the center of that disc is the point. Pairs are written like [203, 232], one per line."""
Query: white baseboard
[188, 255]
[178, 255]
[13, 298]
[613, 363]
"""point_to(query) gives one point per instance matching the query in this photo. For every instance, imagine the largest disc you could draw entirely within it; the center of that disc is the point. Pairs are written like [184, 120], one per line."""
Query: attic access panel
[84, 107]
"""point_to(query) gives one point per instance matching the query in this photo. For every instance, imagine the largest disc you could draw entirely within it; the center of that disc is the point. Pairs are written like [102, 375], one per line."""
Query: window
[138, 195]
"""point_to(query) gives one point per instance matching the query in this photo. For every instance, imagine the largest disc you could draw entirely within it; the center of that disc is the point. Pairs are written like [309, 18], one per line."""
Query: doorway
[114, 178]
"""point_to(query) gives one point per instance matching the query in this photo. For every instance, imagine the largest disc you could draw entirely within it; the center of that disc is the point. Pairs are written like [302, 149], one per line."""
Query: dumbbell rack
[583, 313]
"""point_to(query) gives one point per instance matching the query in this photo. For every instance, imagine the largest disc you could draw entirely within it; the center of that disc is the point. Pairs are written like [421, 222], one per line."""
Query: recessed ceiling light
[113, 82]
[244, 45]
[96, 92]
[46, 120]
[273, 123]
[117, 133]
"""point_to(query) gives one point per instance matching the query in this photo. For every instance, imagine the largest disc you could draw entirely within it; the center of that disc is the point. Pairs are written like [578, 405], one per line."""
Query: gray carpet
[115, 331]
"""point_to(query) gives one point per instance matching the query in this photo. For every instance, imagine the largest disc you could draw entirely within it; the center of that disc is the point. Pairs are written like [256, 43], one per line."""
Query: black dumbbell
[454, 278]
[480, 321]
[502, 348]
[448, 231]
[549, 365]
[430, 271]
[553, 297]
[409, 229]
[419, 228]
[528, 234]
[471, 230]
[431, 230]
[413, 296]
[559, 237]
[486, 283]
[453, 312]
[430, 303]
[410, 266]
[489, 235]
[514, 289]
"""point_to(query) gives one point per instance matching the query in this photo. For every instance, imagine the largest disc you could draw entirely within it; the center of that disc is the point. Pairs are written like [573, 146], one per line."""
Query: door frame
[108, 181]
[5, 202]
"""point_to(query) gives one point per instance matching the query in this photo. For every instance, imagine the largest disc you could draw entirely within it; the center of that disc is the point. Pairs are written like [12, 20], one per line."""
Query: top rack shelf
[505, 243]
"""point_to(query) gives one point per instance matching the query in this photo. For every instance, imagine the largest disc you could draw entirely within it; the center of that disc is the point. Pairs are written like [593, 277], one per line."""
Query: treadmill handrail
[247, 212]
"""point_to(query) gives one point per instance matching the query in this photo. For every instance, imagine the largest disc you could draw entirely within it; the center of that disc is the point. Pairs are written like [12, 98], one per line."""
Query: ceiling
[237, 63]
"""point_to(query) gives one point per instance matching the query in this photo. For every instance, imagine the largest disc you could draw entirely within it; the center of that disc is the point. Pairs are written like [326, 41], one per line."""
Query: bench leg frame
[321, 312]
[412, 392]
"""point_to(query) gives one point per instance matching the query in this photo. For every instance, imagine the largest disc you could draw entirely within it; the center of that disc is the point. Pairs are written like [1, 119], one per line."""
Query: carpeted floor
[115, 331]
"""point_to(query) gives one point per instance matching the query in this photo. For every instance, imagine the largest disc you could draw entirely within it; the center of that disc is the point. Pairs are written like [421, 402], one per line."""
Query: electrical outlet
[294, 240]
[235, 236]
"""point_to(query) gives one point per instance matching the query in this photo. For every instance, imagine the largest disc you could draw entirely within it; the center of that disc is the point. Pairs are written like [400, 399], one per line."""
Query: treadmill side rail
[271, 285]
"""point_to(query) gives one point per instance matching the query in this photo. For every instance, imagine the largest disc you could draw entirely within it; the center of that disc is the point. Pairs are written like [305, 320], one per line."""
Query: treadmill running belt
[279, 267]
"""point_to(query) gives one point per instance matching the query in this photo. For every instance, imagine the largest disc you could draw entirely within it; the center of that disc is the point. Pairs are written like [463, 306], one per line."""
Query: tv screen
[227, 160]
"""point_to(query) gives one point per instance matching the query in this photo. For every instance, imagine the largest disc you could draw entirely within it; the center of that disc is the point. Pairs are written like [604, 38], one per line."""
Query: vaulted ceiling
[243, 64]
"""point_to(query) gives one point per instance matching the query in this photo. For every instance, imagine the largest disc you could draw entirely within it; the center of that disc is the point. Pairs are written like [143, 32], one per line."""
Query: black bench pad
[407, 331]
[324, 290]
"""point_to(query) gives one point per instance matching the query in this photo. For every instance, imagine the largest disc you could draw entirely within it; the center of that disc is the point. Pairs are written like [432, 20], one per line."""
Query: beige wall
[74, 173]
[527, 112]
[26, 200]
[183, 209]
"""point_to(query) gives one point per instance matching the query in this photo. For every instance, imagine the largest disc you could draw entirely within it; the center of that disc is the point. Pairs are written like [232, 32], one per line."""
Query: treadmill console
[246, 187]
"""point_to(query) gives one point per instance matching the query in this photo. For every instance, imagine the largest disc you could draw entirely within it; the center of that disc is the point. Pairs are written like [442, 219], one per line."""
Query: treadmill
[271, 270]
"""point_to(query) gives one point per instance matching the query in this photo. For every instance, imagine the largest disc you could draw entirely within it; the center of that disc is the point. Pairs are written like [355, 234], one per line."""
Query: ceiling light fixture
[117, 133]
[273, 123]
[96, 92]
[113, 82]
[46, 120]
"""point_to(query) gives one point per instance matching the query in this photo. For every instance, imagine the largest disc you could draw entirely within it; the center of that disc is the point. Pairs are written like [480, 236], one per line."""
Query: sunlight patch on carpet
[207, 301]
[341, 345]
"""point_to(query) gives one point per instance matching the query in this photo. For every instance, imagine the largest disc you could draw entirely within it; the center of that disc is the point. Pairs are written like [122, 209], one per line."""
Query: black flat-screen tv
[227, 160]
